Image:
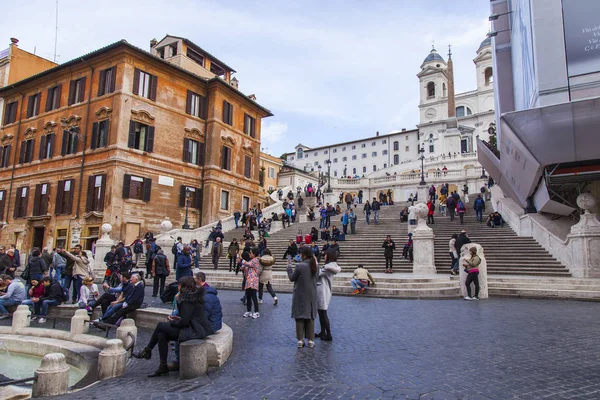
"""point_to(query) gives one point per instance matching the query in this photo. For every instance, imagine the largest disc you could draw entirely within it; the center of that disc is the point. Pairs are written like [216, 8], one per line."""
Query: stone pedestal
[584, 240]
[423, 244]
[112, 360]
[483, 285]
[102, 247]
[165, 241]
[21, 318]
[127, 326]
[193, 361]
[422, 193]
[52, 377]
[80, 322]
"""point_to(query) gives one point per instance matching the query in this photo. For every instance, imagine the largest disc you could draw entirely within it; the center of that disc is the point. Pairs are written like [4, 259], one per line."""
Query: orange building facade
[125, 137]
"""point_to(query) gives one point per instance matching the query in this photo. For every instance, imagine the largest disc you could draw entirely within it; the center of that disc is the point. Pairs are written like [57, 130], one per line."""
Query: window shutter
[59, 198]
[49, 100]
[6, 160]
[17, 203]
[246, 127]
[186, 150]
[150, 140]
[113, 80]
[253, 128]
[182, 196]
[102, 193]
[228, 159]
[90, 194]
[65, 142]
[102, 82]
[44, 201]
[24, 202]
[126, 185]
[198, 199]
[131, 139]
[2, 203]
[22, 153]
[82, 93]
[36, 199]
[147, 189]
[72, 92]
[51, 139]
[29, 152]
[200, 154]
[136, 81]
[69, 206]
[75, 142]
[188, 103]
[225, 112]
[203, 107]
[58, 91]
[30, 106]
[94, 135]
[42, 144]
[247, 166]
[153, 85]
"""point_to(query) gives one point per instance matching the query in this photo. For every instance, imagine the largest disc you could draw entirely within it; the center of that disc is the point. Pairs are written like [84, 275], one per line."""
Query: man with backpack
[176, 249]
[54, 294]
[432, 193]
[431, 211]
[375, 207]
[461, 210]
[479, 207]
[451, 206]
[138, 249]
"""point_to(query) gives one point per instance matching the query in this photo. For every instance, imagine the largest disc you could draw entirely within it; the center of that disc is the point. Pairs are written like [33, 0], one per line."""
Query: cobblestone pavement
[393, 349]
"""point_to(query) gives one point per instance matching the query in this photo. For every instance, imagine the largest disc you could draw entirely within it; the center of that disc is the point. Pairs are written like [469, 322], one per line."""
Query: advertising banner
[582, 36]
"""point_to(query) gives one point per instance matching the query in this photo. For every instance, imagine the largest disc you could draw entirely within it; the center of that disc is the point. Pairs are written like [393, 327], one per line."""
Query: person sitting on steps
[361, 278]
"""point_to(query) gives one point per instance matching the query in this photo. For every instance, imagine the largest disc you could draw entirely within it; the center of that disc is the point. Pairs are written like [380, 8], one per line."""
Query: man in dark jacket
[132, 300]
[184, 263]
[451, 206]
[47, 257]
[212, 304]
[479, 207]
[389, 246]
[160, 271]
[53, 296]
[36, 265]
[375, 207]
[461, 240]
[6, 264]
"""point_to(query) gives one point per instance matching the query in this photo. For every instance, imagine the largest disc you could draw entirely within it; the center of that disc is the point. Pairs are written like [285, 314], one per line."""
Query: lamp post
[188, 193]
[328, 162]
[422, 158]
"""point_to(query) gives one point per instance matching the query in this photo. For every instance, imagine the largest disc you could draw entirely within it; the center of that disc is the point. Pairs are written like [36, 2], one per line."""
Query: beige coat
[81, 264]
[266, 269]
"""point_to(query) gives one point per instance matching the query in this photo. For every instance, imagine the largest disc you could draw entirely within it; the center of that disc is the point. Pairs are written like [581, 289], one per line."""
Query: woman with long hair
[326, 274]
[304, 298]
[251, 271]
[190, 323]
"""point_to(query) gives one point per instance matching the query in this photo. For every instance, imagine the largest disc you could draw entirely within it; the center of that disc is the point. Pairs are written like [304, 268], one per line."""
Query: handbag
[25, 274]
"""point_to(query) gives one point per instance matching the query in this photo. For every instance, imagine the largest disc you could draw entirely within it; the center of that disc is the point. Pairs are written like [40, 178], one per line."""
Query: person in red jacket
[431, 207]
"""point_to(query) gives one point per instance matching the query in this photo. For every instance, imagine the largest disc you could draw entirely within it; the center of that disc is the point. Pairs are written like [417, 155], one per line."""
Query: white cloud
[271, 132]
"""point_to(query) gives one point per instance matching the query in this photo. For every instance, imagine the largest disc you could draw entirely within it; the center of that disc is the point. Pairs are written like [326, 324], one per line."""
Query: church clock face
[430, 113]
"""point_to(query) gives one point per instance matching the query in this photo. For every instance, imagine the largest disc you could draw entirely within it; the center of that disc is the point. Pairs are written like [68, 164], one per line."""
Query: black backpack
[174, 249]
[433, 207]
[169, 293]
[138, 247]
[64, 295]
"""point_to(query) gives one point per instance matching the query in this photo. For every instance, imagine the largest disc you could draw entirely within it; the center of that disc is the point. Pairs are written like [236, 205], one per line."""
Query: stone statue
[588, 222]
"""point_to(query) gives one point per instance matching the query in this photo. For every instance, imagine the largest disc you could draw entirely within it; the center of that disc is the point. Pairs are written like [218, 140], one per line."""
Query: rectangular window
[192, 195]
[5, 156]
[53, 99]
[2, 204]
[197, 57]
[106, 83]
[405, 137]
[373, 143]
[325, 152]
[21, 202]
[316, 163]
[64, 197]
[193, 151]
[135, 187]
[10, 112]
[364, 155]
[227, 113]
[226, 158]
[271, 172]
[77, 91]
[335, 160]
[407, 148]
[33, 105]
[353, 147]
[431, 148]
[141, 137]
[354, 157]
[384, 152]
[99, 134]
[26, 154]
[46, 146]
[245, 203]
[335, 150]
[384, 141]
[249, 125]
[247, 166]
[363, 145]
[69, 143]
[95, 193]
[40, 201]
[144, 84]
[196, 105]
[224, 200]
[344, 159]
[61, 238]
[374, 154]
[344, 148]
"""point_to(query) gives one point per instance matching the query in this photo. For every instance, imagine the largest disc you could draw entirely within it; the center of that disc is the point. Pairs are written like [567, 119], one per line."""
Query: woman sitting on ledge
[191, 323]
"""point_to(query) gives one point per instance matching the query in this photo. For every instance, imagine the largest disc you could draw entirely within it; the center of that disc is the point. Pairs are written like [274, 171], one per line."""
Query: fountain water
[2, 345]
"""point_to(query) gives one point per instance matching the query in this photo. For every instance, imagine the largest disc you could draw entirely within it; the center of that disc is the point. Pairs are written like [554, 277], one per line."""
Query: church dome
[433, 56]
[485, 43]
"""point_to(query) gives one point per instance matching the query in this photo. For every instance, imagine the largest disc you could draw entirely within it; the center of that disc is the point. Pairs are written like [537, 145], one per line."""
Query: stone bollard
[52, 377]
[112, 360]
[21, 318]
[193, 361]
[127, 326]
[80, 322]
[483, 285]
[423, 244]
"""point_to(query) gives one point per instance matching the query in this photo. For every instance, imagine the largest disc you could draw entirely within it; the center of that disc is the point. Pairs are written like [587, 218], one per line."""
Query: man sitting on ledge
[110, 295]
[130, 299]
[15, 294]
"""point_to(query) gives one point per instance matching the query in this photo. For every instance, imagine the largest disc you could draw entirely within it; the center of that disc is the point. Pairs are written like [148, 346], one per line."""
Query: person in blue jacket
[184, 263]
[212, 304]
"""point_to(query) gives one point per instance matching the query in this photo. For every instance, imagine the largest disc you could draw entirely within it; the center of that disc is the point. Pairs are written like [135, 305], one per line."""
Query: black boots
[145, 353]
[174, 366]
[163, 368]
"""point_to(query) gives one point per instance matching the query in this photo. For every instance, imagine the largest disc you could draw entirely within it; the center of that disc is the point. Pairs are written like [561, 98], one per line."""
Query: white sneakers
[256, 315]
[247, 314]
[300, 344]
[468, 298]
[275, 301]
[42, 320]
[311, 343]
[259, 301]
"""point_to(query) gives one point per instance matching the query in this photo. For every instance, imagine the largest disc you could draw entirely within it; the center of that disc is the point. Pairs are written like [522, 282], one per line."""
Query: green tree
[492, 132]
[283, 157]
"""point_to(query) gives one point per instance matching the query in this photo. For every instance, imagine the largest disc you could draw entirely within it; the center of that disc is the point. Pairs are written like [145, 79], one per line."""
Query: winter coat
[37, 266]
[345, 219]
[80, 263]
[389, 250]
[192, 321]
[325, 277]
[160, 265]
[212, 308]
[304, 297]
[252, 271]
[5, 264]
[184, 261]
[233, 249]
[53, 292]
[292, 250]
[266, 269]
[461, 240]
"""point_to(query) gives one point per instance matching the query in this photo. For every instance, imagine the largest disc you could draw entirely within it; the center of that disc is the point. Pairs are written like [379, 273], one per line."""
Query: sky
[330, 71]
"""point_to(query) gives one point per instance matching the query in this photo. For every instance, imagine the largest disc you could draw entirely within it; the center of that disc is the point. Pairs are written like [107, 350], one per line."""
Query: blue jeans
[367, 217]
[43, 305]
[111, 310]
[7, 303]
[196, 260]
[237, 220]
[376, 216]
[58, 271]
[479, 215]
[322, 224]
[495, 224]
[77, 282]
[357, 284]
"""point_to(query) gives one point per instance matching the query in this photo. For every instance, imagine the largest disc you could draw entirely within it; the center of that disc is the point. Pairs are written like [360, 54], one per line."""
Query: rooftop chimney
[235, 83]
[252, 97]
[14, 41]
[403, 129]
[377, 133]
[153, 43]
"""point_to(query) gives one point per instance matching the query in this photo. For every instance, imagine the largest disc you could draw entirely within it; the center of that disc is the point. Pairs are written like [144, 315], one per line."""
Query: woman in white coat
[324, 282]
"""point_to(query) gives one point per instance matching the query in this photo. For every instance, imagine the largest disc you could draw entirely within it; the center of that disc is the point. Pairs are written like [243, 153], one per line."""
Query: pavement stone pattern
[391, 349]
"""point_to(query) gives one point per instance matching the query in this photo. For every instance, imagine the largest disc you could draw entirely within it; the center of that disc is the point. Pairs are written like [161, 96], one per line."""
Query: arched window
[462, 111]
[374, 168]
[299, 153]
[354, 171]
[384, 165]
[396, 159]
[335, 173]
[444, 92]
[396, 146]
[364, 170]
[431, 89]
[489, 76]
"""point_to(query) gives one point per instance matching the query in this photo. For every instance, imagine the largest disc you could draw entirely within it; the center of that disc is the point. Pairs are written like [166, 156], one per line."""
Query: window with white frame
[271, 172]
[224, 200]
